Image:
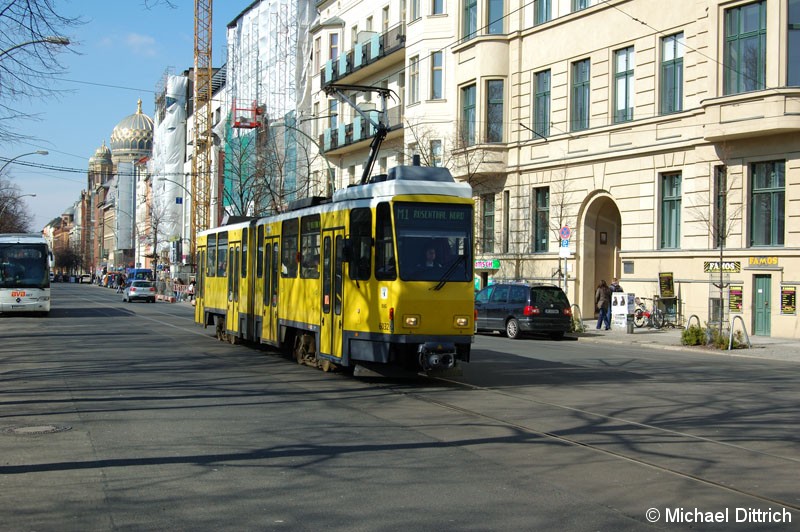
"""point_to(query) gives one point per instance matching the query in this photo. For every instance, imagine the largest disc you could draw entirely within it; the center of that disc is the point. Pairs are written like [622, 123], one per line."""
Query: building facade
[663, 136]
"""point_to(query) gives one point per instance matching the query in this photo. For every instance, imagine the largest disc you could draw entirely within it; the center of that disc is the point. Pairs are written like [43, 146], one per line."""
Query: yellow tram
[379, 275]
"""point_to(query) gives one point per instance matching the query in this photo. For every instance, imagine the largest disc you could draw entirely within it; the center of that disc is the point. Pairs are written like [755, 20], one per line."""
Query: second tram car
[381, 274]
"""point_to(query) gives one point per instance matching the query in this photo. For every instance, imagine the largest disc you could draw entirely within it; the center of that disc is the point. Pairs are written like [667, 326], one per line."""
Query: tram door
[332, 293]
[234, 272]
[269, 331]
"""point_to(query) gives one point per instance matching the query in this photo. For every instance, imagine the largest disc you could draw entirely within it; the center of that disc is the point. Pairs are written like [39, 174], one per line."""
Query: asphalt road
[128, 416]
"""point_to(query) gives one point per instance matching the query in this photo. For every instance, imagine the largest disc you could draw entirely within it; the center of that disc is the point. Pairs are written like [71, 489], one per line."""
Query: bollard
[629, 324]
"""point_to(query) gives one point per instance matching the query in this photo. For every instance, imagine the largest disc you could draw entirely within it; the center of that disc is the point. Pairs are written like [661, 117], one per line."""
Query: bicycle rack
[744, 330]
[689, 321]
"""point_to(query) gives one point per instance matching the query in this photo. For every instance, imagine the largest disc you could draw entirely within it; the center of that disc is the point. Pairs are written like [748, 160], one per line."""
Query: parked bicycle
[652, 317]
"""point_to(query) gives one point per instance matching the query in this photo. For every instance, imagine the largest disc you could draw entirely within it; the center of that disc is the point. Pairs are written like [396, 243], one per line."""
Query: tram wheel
[325, 365]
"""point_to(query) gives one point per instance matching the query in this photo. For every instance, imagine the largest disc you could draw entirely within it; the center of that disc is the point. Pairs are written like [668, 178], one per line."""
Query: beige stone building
[654, 131]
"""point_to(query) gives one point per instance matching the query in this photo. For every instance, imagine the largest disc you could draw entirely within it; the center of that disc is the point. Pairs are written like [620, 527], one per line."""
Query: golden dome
[133, 136]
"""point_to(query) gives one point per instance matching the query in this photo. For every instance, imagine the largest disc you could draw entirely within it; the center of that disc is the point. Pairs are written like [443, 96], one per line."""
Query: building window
[672, 48]
[494, 110]
[385, 19]
[495, 9]
[541, 104]
[506, 221]
[436, 153]
[542, 11]
[469, 25]
[413, 86]
[745, 47]
[437, 7]
[333, 46]
[468, 115]
[333, 114]
[577, 5]
[719, 223]
[368, 25]
[793, 43]
[437, 85]
[415, 14]
[671, 211]
[624, 63]
[315, 121]
[317, 52]
[767, 200]
[541, 218]
[580, 95]
[487, 203]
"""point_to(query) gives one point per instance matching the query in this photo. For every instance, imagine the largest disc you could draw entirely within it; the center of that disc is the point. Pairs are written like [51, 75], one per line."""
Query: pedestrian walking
[602, 299]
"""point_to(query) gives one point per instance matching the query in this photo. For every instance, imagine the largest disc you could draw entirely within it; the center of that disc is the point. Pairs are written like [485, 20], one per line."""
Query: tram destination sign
[429, 215]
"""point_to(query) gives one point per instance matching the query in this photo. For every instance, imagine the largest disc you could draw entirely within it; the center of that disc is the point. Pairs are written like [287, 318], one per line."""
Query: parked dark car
[145, 290]
[518, 308]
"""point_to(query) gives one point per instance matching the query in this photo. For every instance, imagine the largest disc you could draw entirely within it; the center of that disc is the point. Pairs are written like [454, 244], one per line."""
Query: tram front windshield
[24, 266]
[434, 241]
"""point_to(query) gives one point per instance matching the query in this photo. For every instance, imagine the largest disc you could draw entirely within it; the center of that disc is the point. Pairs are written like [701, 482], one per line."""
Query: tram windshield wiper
[449, 272]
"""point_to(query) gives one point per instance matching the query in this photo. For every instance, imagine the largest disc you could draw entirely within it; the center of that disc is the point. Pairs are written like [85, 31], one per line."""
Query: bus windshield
[24, 266]
[434, 239]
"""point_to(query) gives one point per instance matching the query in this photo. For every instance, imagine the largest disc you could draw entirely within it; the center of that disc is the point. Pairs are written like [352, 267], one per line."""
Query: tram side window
[222, 254]
[244, 252]
[211, 264]
[360, 243]
[260, 251]
[289, 247]
[309, 246]
[385, 263]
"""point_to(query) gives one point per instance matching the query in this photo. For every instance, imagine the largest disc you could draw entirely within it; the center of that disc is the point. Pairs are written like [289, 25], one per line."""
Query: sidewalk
[670, 338]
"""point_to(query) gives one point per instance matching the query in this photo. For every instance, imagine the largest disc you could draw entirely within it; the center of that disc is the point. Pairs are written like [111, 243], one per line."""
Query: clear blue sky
[121, 54]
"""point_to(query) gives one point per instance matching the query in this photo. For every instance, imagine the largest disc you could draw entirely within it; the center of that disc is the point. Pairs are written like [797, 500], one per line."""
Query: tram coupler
[437, 355]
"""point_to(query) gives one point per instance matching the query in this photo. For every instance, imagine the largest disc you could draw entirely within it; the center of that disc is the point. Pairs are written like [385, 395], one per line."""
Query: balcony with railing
[371, 51]
[334, 140]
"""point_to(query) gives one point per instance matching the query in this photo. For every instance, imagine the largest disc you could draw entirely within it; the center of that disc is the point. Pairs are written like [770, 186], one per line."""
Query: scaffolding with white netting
[268, 46]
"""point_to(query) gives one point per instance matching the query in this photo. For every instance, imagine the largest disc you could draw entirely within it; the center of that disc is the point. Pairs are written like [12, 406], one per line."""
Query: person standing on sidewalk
[614, 286]
[602, 299]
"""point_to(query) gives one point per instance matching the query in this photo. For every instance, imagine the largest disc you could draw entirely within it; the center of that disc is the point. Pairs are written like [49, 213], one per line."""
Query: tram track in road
[605, 449]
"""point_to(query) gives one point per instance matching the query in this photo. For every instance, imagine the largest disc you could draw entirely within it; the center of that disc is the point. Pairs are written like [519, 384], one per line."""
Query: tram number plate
[18, 293]
[551, 311]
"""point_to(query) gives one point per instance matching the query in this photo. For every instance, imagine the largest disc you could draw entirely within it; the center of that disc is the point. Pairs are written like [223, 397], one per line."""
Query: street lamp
[50, 39]
[37, 152]
[14, 198]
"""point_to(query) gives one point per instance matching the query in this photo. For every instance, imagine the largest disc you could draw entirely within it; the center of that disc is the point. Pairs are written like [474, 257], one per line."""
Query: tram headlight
[461, 321]
[411, 320]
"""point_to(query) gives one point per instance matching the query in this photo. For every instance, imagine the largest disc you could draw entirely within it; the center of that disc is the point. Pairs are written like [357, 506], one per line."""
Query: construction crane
[201, 159]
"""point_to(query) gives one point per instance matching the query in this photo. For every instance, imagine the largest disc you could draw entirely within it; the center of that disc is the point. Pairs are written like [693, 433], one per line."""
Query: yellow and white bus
[25, 261]
[347, 281]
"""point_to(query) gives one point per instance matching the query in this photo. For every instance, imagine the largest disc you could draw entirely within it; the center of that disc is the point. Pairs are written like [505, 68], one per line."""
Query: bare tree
[14, 214]
[267, 167]
[31, 37]
[718, 216]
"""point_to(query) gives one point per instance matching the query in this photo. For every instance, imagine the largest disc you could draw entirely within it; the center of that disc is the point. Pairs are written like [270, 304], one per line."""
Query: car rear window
[141, 284]
[545, 295]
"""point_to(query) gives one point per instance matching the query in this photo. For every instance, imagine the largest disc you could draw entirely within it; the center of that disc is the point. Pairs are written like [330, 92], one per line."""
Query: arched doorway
[601, 242]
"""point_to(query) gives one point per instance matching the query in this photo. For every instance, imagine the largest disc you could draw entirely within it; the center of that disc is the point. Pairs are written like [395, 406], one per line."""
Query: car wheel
[512, 328]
